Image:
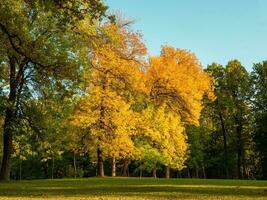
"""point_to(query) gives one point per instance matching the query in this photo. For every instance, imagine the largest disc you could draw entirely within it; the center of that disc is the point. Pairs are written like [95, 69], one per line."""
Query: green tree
[259, 80]
[238, 87]
[39, 44]
[220, 109]
[227, 122]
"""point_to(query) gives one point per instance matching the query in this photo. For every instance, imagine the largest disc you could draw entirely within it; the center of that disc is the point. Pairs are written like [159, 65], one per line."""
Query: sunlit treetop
[177, 78]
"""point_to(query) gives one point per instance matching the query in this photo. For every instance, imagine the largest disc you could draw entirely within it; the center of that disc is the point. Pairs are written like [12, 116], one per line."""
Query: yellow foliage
[174, 83]
[105, 111]
[176, 78]
[163, 130]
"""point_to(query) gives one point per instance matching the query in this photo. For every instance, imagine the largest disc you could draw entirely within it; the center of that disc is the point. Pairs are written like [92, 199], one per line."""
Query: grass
[133, 188]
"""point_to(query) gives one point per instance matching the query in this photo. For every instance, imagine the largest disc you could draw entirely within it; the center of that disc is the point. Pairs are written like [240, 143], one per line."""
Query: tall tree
[176, 81]
[220, 107]
[105, 111]
[259, 80]
[238, 87]
[227, 122]
[38, 45]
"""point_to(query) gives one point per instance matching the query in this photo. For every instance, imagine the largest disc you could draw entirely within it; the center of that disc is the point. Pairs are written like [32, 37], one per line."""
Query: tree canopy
[80, 96]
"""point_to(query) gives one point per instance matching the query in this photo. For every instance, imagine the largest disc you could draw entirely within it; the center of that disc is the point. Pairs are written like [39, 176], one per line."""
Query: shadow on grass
[129, 190]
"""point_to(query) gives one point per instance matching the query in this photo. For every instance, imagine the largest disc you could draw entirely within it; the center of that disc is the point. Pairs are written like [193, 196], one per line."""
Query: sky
[215, 30]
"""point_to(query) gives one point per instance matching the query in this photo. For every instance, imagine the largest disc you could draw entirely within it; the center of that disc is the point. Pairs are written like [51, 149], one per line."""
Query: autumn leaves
[136, 110]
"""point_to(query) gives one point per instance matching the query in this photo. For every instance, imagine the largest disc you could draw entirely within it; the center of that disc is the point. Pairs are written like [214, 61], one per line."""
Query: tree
[107, 120]
[151, 159]
[220, 107]
[21, 150]
[105, 112]
[163, 133]
[198, 138]
[238, 86]
[259, 81]
[226, 122]
[38, 46]
[176, 81]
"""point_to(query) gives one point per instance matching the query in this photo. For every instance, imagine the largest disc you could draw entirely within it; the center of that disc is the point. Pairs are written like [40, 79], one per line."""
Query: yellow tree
[162, 134]
[105, 111]
[176, 81]
[109, 123]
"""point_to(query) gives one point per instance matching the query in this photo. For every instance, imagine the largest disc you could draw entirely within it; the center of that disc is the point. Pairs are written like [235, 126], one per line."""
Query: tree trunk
[196, 172]
[125, 167]
[225, 151]
[154, 172]
[204, 172]
[10, 117]
[8, 135]
[167, 172]
[74, 165]
[244, 167]
[20, 173]
[141, 170]
[53, 165]
[178, 174]
[113, 170]
[100, 164]
[239, 147]
[239, 155]
[188, 172]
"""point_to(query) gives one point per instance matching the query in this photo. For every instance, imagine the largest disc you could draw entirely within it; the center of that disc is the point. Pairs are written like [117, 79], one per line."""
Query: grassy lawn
[133, 188]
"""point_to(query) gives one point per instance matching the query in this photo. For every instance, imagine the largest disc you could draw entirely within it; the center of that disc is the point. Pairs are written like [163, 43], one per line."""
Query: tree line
[80, 97]
[230, 141]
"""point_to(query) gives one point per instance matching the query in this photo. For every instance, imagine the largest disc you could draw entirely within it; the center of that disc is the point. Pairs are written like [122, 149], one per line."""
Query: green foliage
[223, 144]
[76, 86]
[259, 80]
[197, 138]
[151, 158]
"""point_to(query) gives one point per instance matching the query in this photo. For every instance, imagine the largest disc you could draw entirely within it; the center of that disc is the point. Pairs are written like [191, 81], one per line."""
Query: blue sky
[215, 30]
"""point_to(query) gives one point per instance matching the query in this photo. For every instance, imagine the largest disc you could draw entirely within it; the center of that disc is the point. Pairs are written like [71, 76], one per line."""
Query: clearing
[133, 188]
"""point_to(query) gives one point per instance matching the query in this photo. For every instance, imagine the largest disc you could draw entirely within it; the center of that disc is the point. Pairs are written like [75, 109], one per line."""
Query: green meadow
[133, 188]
